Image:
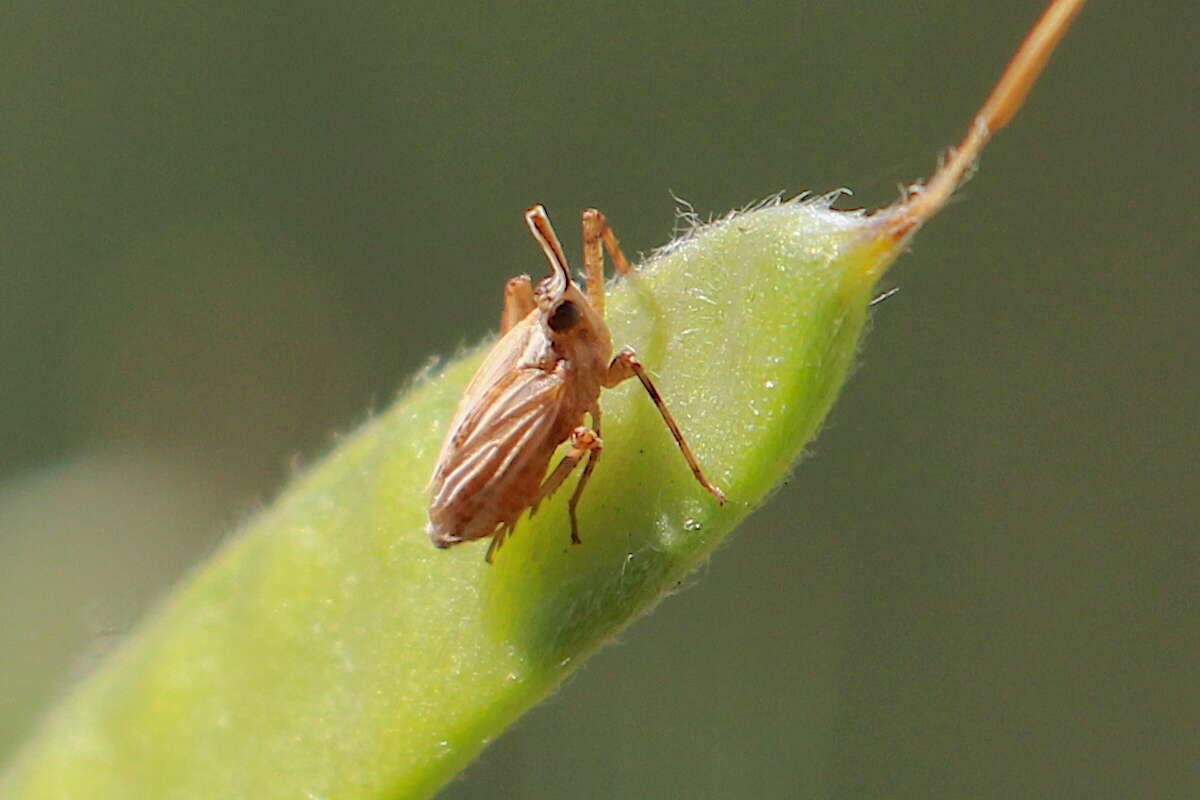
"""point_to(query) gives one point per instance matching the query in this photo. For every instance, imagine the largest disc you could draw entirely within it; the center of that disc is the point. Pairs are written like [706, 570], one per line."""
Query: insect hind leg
[502, 533]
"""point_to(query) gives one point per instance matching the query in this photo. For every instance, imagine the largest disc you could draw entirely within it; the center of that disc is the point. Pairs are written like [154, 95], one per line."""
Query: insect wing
[501, 438]
[501, 363]
[513, 420]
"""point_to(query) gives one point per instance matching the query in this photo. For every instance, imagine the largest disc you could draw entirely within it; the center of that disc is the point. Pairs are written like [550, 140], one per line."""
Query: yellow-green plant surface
[328, 650]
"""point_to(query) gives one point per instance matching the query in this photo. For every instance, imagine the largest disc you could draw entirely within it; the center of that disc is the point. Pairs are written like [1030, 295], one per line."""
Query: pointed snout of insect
[543, 234]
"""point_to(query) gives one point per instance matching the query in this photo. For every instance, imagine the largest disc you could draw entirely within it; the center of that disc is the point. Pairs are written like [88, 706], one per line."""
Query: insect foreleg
[518, 302]
[584, 440]
[626, 365]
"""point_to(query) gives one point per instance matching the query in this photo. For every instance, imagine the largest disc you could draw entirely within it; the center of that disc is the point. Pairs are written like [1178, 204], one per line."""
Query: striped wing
[500, 441]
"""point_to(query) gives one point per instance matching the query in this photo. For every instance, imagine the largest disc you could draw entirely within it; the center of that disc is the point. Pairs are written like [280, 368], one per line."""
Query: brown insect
[530, 395]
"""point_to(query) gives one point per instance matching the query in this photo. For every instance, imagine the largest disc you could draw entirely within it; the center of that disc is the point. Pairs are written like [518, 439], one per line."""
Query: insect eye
[563, 317]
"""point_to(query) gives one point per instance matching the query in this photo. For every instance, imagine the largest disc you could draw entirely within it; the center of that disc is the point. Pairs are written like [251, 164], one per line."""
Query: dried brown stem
[1006, 98]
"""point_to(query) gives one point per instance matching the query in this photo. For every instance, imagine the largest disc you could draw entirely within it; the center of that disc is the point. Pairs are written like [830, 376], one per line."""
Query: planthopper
[545, 374]
[531, 394]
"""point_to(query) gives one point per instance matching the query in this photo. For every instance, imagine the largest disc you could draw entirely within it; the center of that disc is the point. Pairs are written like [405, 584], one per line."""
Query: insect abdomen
[473, 506]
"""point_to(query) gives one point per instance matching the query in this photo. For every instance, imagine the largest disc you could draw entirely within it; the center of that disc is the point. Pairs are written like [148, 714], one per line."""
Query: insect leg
[518, 302]
[626, 365]
[597, 234]
[583, 441]
[593, 457]
[502, 533]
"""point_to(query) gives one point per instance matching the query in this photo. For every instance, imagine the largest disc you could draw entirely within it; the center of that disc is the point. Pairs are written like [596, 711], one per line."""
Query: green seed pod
[329, 650]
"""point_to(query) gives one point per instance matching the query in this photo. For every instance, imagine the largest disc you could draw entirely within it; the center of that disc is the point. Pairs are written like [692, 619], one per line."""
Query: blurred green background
[232, 230]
